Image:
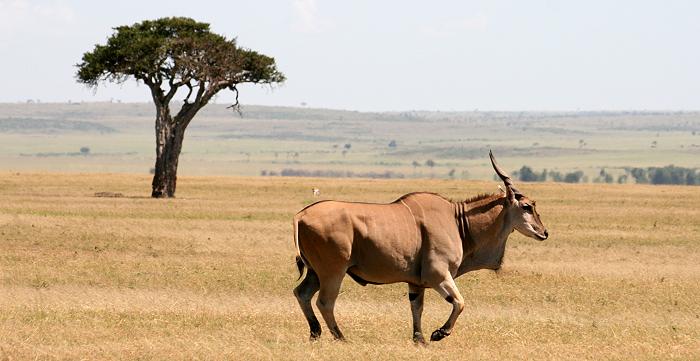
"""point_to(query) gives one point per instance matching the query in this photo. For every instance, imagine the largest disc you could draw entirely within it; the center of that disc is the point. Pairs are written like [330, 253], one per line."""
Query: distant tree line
[332, 174]
[669, 174]
[527, 174]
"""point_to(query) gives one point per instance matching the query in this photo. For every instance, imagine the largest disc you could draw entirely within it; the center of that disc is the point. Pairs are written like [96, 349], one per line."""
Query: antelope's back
[379, 225]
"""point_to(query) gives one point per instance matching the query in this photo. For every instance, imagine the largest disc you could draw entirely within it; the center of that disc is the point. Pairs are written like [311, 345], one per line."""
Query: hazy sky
[392, 55]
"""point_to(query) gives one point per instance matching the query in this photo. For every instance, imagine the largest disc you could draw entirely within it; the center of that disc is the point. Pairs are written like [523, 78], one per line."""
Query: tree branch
[173, 89]
[174, 86]
[235, 106]
[188, 110]
[200, 92]
[187, 98]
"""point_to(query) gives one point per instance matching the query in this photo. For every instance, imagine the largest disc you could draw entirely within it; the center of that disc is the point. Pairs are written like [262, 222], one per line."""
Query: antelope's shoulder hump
[421, 195]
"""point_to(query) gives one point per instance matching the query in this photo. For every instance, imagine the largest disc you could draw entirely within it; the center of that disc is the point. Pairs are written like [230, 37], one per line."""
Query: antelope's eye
[527, 207]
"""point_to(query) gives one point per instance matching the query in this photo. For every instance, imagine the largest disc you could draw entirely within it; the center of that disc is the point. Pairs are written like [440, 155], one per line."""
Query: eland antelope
[421, 239]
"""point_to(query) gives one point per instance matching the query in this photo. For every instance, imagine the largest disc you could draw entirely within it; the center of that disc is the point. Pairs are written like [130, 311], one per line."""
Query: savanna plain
[209, 275]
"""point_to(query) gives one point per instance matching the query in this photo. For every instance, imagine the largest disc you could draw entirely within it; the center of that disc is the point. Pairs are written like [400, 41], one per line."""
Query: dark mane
[481, 196]
[475, 198]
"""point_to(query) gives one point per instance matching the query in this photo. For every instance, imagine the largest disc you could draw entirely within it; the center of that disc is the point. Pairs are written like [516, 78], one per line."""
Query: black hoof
[337, 334]
[418, 339]
[315, 331]
[439, 334]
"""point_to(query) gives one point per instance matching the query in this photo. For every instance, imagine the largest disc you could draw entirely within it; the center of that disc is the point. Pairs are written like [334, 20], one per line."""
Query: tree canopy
[170, 53]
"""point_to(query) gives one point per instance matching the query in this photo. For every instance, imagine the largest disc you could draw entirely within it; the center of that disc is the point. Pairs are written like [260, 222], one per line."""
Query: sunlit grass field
[209, 275]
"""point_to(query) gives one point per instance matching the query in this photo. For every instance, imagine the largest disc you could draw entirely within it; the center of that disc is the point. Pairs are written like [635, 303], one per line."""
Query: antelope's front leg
[448, 290]
[416, 296]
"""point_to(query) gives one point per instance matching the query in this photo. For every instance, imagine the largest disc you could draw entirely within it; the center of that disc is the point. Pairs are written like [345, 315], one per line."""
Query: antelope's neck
[483, 229]
[462, 220]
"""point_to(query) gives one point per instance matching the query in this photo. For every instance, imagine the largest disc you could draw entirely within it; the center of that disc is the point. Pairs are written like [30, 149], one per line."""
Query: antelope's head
[521, 212]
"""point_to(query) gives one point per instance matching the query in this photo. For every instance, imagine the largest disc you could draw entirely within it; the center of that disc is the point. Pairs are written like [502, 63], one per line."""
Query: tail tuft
[300, 267]
[300, 261]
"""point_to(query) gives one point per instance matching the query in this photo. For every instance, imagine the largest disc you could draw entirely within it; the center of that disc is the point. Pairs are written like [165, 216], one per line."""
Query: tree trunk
[170, 132]
[169, 137]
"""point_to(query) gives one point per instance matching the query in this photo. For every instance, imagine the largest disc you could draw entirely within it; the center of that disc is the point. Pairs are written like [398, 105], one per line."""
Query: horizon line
[34, 102]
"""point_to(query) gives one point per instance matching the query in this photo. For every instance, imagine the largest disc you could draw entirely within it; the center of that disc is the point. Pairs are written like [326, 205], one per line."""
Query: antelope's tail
[299, 259]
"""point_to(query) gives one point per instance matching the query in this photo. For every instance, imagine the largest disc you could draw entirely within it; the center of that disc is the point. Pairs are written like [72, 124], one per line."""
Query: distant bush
[669, 174]
[526, 174]
[604, 177]
[639, 175]
[673, 175]
[573, 177]
[555, 176]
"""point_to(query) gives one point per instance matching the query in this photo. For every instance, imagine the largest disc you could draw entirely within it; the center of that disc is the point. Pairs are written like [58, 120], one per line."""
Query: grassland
[209, 275]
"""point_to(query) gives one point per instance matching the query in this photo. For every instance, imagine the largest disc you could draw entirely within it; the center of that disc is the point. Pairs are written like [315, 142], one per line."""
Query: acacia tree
[167, 55]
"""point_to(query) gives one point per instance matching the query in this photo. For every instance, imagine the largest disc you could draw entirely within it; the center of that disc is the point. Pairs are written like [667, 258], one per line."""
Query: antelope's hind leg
[304, 292]
[416, 296]
[330, 287]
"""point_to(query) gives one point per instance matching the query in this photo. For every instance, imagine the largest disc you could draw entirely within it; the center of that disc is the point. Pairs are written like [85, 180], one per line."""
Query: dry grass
[209, 275]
